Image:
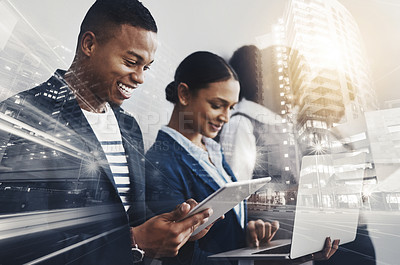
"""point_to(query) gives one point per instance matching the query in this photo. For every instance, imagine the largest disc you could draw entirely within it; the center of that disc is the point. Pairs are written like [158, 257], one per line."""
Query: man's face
[118, 63]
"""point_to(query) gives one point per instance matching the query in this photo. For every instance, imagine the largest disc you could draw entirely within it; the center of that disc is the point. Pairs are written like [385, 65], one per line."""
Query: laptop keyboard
[278, 250]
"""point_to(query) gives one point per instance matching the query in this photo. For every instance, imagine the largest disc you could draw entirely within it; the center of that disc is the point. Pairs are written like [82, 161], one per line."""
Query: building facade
[323, 72]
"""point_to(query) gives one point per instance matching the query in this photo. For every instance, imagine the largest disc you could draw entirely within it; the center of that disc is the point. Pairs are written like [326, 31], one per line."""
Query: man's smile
[126, 90]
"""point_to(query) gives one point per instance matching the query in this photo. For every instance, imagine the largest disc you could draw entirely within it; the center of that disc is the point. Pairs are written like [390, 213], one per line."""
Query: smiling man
[113, 65]
[72, 176]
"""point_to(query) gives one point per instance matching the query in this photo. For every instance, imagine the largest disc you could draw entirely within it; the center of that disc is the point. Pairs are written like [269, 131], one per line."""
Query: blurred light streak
[23, 224]
[37, 33]
[48, 141]
[389, 73]
[36, 261]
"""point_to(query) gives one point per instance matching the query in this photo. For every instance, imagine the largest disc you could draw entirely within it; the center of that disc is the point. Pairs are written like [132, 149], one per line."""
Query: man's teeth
[125, 88]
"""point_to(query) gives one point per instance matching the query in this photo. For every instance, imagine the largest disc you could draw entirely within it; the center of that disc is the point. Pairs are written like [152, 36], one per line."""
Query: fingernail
[183, 205]
[210, 212]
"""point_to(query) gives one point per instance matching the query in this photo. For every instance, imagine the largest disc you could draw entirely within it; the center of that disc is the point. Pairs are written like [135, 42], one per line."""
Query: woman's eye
[232, 108]
[147, 67]
[214, 106]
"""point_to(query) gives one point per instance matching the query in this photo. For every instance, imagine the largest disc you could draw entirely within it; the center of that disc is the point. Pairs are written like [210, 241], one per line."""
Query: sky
[221, 26]
[379, 22]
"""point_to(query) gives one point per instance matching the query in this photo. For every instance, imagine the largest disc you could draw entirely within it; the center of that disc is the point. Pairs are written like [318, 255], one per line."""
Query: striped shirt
[106, 129]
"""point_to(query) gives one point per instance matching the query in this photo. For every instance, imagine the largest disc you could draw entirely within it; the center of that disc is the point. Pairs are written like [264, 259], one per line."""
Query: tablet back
[227, 197]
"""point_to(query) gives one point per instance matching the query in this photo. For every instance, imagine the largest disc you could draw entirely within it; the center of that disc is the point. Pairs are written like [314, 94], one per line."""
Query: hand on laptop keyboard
[260, 232]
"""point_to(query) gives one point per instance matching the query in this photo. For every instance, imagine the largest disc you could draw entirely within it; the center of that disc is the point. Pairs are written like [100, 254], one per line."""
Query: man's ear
[87, 43]
[183, 94]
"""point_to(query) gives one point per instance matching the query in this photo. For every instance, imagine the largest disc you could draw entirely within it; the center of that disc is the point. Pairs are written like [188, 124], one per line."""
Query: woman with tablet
[185, 162]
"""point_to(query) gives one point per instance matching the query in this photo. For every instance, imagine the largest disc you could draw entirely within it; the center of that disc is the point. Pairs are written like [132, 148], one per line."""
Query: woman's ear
[183, 94]
[88, 43]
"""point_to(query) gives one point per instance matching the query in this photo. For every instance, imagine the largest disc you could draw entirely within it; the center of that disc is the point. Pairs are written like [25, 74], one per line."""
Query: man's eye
[130, 63]
[147, 67]
[215, 106]
[232, 108]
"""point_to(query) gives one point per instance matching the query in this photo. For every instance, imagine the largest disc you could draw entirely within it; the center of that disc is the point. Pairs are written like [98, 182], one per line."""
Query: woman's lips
[215, 127]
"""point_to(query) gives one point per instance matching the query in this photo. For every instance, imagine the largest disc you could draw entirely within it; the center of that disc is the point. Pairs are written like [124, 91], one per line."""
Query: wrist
[137, 252]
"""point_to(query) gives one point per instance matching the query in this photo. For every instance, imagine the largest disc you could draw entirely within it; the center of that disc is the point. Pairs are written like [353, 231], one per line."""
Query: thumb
[180, 212]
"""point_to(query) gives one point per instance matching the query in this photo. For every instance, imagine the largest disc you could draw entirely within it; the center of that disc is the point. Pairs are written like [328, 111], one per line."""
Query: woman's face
[209, 108]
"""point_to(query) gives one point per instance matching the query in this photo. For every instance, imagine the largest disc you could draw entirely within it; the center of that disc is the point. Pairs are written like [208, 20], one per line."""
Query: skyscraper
[322, 71]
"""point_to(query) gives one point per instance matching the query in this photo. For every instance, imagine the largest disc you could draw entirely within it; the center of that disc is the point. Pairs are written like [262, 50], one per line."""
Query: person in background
[249, 138]
[185, 162]
[72, 172]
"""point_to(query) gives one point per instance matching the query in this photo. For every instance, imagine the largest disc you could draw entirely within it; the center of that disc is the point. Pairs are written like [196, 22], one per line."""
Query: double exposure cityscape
[329, 130]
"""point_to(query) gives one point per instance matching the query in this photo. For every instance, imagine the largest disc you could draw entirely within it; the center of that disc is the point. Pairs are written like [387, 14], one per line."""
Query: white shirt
[238, 140]
[105, 127]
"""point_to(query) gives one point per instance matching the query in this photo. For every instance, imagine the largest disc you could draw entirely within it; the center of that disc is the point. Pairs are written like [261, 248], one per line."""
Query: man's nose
[138, 76]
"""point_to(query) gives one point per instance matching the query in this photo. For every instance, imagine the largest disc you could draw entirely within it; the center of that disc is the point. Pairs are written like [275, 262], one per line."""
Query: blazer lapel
[230, 173]
[134, 151]
[228, 169]
[195, 166]
[200, 171]
[192, 163]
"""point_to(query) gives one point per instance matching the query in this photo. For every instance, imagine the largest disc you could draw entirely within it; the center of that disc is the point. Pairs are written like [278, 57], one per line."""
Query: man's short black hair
[104, 15]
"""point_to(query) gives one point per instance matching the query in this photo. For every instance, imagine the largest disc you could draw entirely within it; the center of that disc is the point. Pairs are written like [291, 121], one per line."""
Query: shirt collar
[194, 150]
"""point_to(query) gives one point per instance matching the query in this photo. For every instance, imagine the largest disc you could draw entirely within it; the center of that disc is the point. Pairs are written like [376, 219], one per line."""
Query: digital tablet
[227, 197]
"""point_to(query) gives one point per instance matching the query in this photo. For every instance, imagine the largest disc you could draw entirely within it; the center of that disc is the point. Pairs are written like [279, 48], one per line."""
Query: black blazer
[56, 183]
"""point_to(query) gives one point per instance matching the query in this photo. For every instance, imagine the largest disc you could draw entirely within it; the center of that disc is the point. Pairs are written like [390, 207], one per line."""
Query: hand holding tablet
[227, 197]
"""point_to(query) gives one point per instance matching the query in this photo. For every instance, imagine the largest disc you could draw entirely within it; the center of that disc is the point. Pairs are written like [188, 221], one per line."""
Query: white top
[105, 127]
[210, 160]
[238, 140]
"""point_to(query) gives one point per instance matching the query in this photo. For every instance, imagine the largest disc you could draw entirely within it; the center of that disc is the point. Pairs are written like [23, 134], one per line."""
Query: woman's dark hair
[198, 70]
[248, 65]
[104, 15]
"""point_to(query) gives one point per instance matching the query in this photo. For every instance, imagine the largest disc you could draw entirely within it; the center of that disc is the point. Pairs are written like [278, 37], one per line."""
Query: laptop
[328, 209]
